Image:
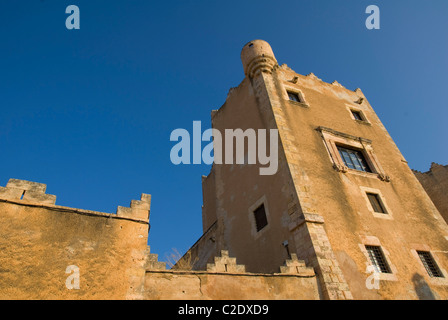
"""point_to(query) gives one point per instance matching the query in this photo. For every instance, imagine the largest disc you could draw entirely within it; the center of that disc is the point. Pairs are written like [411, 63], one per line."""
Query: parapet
[27, 191]
[226, 280]
[153, 263]
[434, 166]
[224, 263]
[296, 266]
[33, 193]
[139, 209]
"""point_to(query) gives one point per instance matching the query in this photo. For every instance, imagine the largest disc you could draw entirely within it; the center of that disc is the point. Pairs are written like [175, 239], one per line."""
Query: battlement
[434, 166]
[33, 193]
[139, 209]
[223, 279]
[224, 263]
[27, 191]
[296, 266]
[312, 76]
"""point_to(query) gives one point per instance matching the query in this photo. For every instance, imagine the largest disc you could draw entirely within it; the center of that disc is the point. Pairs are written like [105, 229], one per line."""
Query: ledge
[72, 210]
[248, 274]
[342, 134]
[300, 104]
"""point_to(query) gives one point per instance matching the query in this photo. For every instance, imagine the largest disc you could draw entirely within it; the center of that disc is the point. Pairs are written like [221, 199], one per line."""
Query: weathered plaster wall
[39, 240]
[197, 285]
[339, 197]
[238, 187]
[225, 280]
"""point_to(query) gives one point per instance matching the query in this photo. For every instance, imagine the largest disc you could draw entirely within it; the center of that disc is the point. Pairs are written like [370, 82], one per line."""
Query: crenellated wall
[226, 280]
[43, 245]
[40, 240]
[27, 191]
[435, 183]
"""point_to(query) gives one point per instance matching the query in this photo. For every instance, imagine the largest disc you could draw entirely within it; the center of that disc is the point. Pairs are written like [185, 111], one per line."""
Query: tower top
[257, 55]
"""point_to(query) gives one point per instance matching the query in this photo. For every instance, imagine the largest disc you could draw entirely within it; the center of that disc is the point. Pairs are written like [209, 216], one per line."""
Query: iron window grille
[377, 259]
[430, 265]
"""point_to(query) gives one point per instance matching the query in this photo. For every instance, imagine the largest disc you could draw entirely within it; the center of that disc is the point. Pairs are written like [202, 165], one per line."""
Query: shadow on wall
[422, 289]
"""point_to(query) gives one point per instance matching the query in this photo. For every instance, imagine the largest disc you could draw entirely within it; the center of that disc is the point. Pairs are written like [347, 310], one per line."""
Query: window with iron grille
[430, 264]
[261, 220]
[377, 259]
[354, 159]
[294, 97]
[376, 203]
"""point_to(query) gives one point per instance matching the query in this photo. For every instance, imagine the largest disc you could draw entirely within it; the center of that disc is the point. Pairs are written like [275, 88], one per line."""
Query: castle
[344, 217]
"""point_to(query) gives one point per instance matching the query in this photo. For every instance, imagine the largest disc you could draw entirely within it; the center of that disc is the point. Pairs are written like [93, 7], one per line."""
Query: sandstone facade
[343, 195]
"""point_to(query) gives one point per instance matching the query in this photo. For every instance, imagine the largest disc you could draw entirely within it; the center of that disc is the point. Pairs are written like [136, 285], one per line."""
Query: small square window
[357, 115]
[430, 264]
[261, 220]
[377, 259]
[376, 203]
[354, 159]
[294, 96]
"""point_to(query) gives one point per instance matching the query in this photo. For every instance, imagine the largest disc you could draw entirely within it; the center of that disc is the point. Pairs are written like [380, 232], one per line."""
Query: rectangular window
[375, 201]
[261, 220]
[357, 115]
[294, 97]
[377, 259]
[430, 265]
[354, 159]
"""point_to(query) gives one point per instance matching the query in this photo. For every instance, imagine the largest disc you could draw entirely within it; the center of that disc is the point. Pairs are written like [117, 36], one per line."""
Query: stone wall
[226, 280]
[40, 241]
[435, 183]
[43, 246]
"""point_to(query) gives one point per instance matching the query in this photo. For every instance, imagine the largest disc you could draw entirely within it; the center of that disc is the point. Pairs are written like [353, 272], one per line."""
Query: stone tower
[343, 198]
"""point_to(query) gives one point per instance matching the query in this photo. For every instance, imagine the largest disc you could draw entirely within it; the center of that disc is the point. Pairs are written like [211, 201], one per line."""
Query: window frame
[357, 115]
[427, 264]
[332, 138]
[288, 88]
[251, 217]
[361, 112]
[388, 212]
[359, 160]
[374, 241]
[261, 222]
[376, 203]
[294, 94]
[378, 259]
[443, 281]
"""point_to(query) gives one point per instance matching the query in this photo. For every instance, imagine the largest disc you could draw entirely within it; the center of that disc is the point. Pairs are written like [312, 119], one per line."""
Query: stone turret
[257, 56]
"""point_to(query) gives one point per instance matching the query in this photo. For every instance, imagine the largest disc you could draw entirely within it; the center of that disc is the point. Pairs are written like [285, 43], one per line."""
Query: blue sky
[89, 112]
